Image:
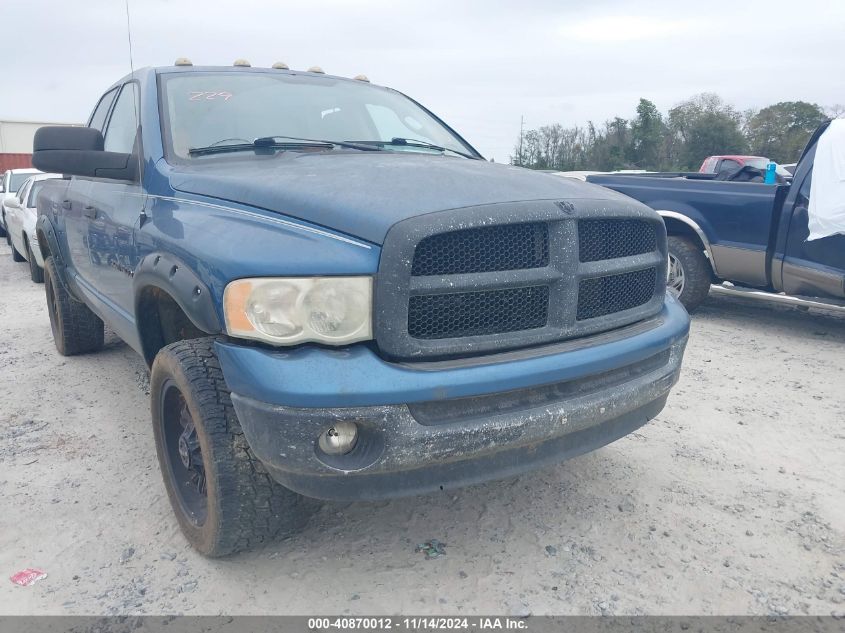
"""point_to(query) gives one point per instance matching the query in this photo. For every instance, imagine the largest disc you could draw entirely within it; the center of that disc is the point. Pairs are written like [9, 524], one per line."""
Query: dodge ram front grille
[485, 249]
[476, 313]
[508, 276]
[605, 295]
[609, 239]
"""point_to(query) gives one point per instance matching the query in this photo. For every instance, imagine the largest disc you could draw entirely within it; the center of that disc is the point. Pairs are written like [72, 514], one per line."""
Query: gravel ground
[732, 501]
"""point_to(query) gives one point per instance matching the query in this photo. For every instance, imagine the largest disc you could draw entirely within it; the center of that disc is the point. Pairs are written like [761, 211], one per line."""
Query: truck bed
[739, 218]
[738, 214]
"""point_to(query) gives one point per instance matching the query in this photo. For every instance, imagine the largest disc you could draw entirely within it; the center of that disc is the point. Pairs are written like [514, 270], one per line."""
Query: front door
[113, 211]
[812, 268]
[77, 205]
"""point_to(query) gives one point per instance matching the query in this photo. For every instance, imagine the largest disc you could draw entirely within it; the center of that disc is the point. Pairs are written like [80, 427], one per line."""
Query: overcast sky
[479, 65]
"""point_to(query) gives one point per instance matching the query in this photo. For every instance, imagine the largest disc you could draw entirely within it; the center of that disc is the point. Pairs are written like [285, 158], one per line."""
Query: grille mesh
[477, 313]
[609, 239]
[605, 295]
[485, 249]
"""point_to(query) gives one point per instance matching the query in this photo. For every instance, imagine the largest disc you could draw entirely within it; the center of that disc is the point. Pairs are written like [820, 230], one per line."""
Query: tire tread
[697, 271]
[251, 507]
[77, 329]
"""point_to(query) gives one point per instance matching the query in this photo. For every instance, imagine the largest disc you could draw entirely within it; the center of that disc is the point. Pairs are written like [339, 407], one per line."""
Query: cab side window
[123, 124]
[98, 117]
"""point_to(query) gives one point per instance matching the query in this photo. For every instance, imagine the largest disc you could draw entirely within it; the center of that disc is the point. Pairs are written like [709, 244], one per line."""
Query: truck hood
[365, 193]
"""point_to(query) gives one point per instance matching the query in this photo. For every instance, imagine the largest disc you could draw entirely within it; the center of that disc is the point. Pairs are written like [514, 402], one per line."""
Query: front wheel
[224, 499]
[36, 273]
[16, 256]
[689, 272]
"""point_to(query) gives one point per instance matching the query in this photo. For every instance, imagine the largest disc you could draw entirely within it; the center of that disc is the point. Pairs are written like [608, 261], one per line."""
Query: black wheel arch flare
[163, 272]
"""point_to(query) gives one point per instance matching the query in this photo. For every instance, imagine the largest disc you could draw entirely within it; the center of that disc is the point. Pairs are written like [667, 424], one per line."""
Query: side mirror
[13, 202]
[78, 151]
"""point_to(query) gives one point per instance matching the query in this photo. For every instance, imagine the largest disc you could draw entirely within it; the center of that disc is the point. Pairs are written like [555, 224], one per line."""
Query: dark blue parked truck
[339, 298]
[750, 234]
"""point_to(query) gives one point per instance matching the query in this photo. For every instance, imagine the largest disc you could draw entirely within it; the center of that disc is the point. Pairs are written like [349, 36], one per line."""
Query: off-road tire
[245, 506]
[16, 256]
[35, 272]
[76, 330]
[697, 272]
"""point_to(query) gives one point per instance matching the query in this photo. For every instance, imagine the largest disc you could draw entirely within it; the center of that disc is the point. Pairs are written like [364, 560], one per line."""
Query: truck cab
[339, 298]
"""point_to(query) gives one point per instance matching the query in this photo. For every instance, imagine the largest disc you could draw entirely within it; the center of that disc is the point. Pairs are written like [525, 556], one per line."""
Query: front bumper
[424, 426]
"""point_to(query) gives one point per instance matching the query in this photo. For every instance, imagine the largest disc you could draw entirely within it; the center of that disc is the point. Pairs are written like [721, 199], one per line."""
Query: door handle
[66, 204]
[89, 211]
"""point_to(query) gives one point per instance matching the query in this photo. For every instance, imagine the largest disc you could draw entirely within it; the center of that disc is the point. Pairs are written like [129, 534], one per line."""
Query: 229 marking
[210, 96]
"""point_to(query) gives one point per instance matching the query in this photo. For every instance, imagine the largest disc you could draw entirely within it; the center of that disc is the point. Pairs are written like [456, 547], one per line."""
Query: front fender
[171, 275]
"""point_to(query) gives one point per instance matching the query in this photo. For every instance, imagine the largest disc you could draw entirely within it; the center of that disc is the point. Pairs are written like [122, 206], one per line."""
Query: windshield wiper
[271, 142]
[246, 147]
[412, 142]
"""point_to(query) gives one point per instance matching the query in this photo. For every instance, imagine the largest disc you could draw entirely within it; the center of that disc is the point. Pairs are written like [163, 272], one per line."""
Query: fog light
[339, 439]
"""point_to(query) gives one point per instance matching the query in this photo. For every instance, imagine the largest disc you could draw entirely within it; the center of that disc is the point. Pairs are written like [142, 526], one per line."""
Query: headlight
[285, 311]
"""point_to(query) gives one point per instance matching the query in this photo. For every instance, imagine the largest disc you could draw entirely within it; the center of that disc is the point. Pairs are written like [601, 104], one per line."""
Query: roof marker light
[361, 78]
[281, 66]
[182, 61]
[241, 62]
[316, 69]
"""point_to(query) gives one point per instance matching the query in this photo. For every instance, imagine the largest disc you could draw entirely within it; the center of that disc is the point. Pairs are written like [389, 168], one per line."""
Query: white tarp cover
[826, 211]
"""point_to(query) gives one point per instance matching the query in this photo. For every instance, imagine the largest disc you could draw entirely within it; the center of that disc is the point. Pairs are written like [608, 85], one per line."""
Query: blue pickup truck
[339, 298]
[750, 234]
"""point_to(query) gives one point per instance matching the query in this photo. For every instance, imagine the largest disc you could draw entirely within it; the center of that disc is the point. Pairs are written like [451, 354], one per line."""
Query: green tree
[610, 147]
[703, 126]
[780, 131]
[648, 133]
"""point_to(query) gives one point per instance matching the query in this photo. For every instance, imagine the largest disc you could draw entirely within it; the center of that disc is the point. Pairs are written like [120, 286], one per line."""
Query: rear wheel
[224, 499]
[689, 272]
[76, 330]
[36, 273]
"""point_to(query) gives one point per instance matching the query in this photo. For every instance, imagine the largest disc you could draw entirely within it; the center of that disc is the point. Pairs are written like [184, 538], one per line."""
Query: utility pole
[521, 135]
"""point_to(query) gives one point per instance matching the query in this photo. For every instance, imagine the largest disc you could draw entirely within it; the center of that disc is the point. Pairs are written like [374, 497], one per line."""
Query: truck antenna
[135, 100]
[129, 36]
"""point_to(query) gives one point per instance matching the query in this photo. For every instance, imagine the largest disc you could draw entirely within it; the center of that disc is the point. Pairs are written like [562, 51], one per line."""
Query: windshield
[205, 109]
[17, 180]
[763, 163]
[759, 163]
